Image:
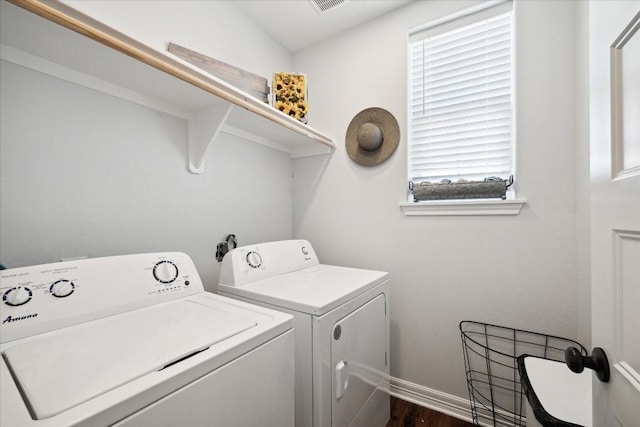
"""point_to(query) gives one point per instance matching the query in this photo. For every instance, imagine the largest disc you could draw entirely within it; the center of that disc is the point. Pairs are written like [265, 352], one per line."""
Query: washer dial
[17, 296]
[62, 288]
[165, 272]
[254, 259]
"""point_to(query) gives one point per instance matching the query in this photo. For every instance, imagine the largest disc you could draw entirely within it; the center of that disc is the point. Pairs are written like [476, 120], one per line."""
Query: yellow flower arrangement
[290, 95]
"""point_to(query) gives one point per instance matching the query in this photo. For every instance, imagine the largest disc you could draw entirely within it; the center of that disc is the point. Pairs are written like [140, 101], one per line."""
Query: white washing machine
[341, 324]
[136, 341]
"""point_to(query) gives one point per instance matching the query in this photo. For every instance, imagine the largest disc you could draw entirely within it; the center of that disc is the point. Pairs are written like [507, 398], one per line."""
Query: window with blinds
[460, 91]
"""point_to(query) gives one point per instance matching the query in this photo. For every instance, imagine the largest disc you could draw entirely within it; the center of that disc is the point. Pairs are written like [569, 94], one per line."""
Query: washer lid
[65, 369]
[314, 290]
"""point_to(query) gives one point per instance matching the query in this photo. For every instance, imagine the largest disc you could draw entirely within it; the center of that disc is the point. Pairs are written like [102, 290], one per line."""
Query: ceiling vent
[324, 5]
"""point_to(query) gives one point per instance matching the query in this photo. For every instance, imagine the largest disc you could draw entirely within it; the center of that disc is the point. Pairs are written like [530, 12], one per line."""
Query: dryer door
[359, 363]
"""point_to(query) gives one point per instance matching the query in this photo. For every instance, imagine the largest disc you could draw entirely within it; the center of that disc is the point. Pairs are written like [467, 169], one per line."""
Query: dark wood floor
[405, 414]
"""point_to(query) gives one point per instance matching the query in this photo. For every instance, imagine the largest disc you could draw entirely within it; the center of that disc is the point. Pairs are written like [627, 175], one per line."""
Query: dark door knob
[597, 361]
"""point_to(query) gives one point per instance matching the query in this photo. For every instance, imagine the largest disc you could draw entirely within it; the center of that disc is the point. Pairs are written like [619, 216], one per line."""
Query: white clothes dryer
[136, 341]
[341, 325]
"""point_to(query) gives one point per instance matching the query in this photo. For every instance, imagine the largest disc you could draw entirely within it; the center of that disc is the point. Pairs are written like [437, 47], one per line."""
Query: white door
[615, 206]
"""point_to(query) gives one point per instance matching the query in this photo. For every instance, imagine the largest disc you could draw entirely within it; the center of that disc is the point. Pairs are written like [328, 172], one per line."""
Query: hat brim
[390, 132]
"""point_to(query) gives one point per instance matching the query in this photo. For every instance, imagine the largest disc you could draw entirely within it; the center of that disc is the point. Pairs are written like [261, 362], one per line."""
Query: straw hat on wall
[372, 136]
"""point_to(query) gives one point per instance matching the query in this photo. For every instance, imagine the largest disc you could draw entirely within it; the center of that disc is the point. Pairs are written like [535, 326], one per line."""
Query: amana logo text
[10, 319]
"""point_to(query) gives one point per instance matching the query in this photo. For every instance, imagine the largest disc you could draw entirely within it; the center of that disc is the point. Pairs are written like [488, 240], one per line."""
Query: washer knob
[254, 259]
[62, 288]
[165, 272]
[17, 296]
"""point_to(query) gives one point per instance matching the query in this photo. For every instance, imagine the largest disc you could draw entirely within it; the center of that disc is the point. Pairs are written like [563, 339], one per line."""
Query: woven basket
[489, 189]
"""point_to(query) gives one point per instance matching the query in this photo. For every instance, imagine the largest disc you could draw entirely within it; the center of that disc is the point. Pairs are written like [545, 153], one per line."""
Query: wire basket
[490, 359]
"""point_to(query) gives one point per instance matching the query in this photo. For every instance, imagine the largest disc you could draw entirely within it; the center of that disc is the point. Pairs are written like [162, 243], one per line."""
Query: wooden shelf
[78, 48]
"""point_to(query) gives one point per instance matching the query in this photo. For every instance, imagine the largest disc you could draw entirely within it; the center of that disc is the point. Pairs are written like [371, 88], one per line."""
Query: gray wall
[87, 174]
[518, 271]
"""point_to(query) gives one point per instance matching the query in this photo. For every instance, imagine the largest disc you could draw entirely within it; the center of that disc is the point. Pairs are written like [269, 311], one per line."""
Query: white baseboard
[445, 403]
[433, 399]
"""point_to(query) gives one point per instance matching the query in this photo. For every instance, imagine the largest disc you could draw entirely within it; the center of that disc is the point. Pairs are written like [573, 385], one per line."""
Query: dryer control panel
[251, 263]
[46, 297]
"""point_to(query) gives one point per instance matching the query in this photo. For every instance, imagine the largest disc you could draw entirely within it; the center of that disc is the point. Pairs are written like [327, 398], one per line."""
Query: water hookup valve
[230, 242]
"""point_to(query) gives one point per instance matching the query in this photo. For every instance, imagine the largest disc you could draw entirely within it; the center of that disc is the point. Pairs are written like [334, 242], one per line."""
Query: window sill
[463, 207]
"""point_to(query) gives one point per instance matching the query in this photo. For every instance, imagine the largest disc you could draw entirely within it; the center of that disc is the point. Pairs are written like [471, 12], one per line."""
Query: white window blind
[460, 124]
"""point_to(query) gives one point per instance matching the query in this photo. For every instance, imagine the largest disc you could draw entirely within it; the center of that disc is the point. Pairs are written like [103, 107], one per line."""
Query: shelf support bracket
[203, 130]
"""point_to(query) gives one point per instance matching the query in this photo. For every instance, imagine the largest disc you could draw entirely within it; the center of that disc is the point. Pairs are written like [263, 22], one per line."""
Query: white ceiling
[297, 23]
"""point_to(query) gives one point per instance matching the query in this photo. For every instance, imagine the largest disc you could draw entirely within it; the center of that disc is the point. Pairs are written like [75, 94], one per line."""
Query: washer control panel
[40, 298]
[248, 264]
